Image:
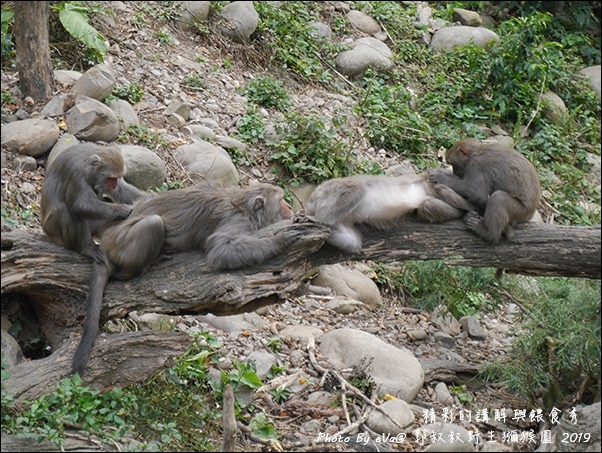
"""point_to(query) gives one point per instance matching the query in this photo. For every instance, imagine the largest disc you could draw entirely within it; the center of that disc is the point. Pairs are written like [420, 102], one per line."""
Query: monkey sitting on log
[379, 201]
[74, 204]
[224, 223]
[499, 181]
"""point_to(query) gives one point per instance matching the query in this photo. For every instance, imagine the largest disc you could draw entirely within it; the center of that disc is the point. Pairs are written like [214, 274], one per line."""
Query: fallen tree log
[537, 249]
[53, 281]
[147, 352]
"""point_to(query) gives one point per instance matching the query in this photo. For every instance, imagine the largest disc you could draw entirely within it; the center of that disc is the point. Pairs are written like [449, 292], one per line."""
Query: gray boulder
[124, 111]
[396, 371]
[366, 53]
[92, 121]
[466, 17]
[554, 108]
[241, 21]
[96, 83]
[592, 73]
[363, 22]
[31, 137]
[144, 169]
[207, 162]
[193, 13]
[349, 282]
[448, 38]
[64, 142]
[397, 410]
[67, 78]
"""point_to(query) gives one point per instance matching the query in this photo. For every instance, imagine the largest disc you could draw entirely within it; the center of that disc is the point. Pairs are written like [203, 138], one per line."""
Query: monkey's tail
[100, 276]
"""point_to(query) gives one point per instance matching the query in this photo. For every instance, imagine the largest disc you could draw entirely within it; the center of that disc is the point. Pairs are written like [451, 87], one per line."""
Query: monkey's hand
[302, 218]
[438, 175]
[122, 211]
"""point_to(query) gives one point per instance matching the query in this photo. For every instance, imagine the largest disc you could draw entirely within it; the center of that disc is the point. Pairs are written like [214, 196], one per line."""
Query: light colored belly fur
[389, 202]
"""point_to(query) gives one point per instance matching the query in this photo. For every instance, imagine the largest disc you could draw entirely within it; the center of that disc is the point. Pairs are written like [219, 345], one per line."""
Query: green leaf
[75, 20]
[251, 379]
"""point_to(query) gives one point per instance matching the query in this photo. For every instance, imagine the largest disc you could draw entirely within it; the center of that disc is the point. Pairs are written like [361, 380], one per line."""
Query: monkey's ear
[95, 159]
[258, 203]
[465, 151]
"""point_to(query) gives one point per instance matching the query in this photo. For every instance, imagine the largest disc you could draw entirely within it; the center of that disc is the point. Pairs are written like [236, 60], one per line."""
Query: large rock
[64, 142]
[363, 22]
[466, 17]
[96, 83]
[193, 13]
[554, 108]
[366, 53]
[207, 162]
[592, 73]
[144, 169]
[92, 121]
[349, 282]
[66, 77]
[449, 37]
[241, 21]
[125, 112]
[395, 371]
[31, 137]
[397, 410]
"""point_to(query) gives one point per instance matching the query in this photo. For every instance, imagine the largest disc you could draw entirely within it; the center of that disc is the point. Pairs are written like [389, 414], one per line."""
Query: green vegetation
[8, 47]
[251, 127]
[427, 101]
[308, 150]
[427, 284]
[285, 28]
[130, 92]
[557, 348]
[267, 92]
[178, 409]
[142, 135]
[195, 81]
[72, 404]
[74, 17]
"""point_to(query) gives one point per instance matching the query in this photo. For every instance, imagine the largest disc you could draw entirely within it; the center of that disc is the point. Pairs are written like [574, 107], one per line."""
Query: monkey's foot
[472, 220]
[95, 253]
[509, 232]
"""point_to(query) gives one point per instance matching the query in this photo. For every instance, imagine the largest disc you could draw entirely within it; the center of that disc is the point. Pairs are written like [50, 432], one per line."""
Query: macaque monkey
[499, 181]
[379, 201]
[74, 196]
[221, 222]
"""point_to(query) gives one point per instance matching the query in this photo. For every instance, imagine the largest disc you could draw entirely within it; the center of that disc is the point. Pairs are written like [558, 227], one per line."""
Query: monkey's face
[286, 212]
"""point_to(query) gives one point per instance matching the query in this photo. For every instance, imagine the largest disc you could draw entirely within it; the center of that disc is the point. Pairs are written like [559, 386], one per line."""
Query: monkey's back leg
[501, 210]
[134, 244]
[335, 201]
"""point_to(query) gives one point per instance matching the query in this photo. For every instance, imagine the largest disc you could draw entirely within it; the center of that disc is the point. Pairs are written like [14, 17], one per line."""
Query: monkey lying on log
[74, 206]
[501, 183]
[222, 222]
[379, 201]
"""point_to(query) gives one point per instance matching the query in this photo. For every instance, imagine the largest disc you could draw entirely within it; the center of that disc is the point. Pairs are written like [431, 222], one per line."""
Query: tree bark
[53, 281]
[36, 77]
[109, 365]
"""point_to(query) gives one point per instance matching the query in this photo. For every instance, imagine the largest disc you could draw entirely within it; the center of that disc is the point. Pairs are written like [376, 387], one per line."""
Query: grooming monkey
[379, 201]
[74, 206]
[499, 181]
[221, 222]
